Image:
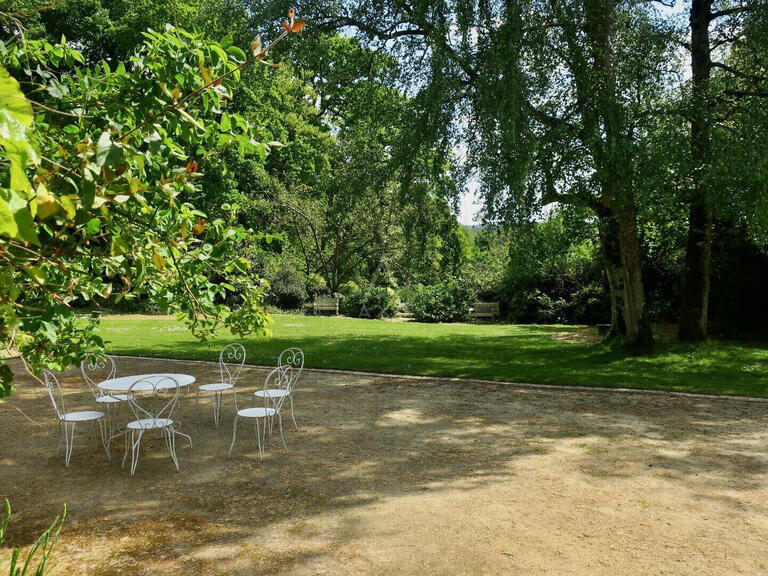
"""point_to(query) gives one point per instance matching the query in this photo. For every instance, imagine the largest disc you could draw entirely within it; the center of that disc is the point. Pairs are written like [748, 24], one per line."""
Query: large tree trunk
[611, 251]
[693, 316]
[638, 326]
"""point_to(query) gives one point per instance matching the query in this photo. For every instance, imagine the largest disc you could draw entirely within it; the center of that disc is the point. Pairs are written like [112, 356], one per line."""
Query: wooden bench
[326, 304]
[603, 329]
[484, 310]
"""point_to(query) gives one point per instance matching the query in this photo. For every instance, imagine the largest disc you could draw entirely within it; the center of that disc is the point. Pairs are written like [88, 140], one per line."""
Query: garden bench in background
[326, 304]
[484, 310]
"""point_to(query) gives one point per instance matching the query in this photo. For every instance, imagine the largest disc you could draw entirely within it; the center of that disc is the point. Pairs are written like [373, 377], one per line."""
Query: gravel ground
[405, 476]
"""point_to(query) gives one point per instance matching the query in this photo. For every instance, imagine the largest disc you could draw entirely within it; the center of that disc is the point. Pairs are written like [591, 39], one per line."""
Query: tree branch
[730, 11]
[738, 73]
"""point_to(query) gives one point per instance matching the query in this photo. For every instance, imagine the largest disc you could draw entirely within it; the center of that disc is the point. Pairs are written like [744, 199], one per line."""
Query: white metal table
[123, 384]
[144, 383]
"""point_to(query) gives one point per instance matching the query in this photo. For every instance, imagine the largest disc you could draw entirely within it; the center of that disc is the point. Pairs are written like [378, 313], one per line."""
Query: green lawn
[499, 352]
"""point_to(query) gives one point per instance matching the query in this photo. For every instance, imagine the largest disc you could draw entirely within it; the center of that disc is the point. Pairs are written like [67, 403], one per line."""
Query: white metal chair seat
[149, 424]
[70, 419]
[82, 416]
[217, 387]
[152, 400]
[278, 377]
[231, 360]
[272, 393]
[257, 412]
[112, 398]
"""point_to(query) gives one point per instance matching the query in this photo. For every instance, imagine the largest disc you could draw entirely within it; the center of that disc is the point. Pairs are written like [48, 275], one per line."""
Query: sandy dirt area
[406, 476]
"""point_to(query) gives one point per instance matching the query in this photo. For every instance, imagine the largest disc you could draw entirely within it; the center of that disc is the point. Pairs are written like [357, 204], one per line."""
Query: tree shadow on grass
[525, 357]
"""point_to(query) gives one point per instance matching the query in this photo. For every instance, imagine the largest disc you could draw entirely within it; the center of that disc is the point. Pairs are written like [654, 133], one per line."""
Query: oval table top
[124, 383]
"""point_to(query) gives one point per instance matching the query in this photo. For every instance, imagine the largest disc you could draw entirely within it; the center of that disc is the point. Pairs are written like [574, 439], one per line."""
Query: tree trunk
[638, 325]
[693, 316]
[611, 252]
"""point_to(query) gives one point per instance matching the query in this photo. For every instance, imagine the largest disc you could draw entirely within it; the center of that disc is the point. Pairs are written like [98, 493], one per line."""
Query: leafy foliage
[445, 302]
[92, 196]
[370, 301]
[287, 287]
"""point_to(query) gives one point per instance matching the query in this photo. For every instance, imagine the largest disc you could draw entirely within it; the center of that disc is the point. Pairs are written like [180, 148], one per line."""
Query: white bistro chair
[294, 358]
[96, 369]
[231, 360]
[69, 419]
[152, 401]
[276, 379]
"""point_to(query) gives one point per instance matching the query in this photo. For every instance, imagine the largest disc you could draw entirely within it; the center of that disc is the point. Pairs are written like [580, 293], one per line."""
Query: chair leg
[103, 429]
[234, 437]
[135, 451]
[216, 408]
[108, 414]
[171, 443]
[69, 437]
[58, 443]
[280, 424]
[258, 436]
[187, 436]
[125, 454]
[292, 417]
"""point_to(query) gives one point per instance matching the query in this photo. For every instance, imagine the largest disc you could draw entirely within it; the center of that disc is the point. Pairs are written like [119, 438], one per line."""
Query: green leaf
[107, 152]
[37, 274]
[6, 378]
[93, 226]
[50, 331]
[18, 153]
[15, 217]
[89, 193]
[15, 110]
[46, 203]
[119, 246]
[68, 206]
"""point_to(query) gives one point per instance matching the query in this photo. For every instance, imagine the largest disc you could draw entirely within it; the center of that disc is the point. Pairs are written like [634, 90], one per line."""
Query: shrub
[348, 288]
[370, 302]
[446, 302]
[316, 285]
[287, 288]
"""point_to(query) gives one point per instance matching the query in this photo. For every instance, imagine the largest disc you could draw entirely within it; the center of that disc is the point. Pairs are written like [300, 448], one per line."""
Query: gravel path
[407, 476]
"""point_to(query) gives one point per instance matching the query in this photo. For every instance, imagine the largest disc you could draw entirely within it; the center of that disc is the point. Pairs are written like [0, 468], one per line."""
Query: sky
[469, 205]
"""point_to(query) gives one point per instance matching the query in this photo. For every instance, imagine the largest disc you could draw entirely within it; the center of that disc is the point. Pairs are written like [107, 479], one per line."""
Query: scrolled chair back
[279, 378]
[231, 360]
[293, 358]
[154, 398]
[96, 368]
[53, 388]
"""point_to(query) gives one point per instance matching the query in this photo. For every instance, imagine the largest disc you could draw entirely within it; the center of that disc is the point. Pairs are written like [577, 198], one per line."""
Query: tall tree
[549, 97]
[715, 28]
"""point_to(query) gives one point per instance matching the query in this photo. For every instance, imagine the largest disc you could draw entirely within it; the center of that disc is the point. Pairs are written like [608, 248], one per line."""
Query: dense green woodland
[164, 155]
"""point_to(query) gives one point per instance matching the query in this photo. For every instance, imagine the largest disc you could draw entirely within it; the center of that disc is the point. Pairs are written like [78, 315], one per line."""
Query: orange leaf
[199, 227]
[298, 26]
[286, 26]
